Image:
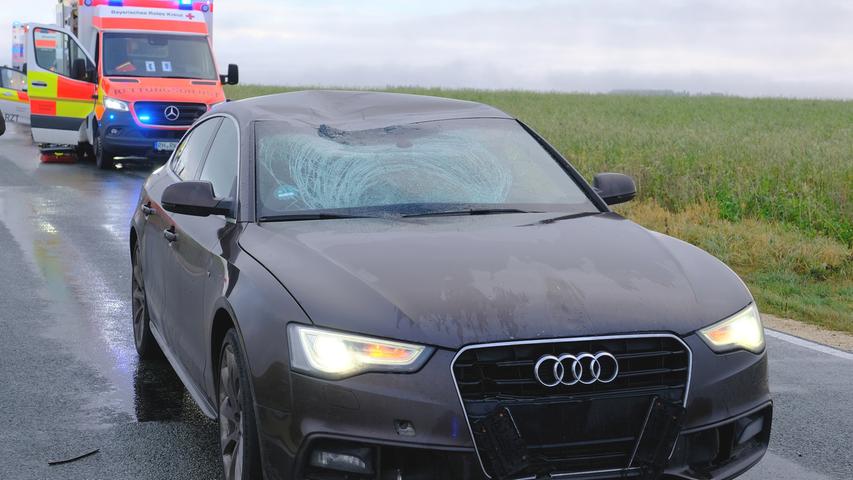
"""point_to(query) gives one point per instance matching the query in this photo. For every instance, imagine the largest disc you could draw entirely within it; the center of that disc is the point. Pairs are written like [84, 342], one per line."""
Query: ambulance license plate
[165, 146]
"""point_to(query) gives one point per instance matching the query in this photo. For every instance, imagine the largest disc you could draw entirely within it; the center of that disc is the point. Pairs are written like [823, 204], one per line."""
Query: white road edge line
[808, 344]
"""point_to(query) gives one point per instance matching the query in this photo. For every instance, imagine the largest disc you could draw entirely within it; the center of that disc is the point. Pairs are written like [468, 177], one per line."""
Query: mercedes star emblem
[171, 113]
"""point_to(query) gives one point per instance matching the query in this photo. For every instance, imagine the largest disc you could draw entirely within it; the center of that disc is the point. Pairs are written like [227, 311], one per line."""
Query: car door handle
[147, 210]
[39, 84]
[170, 234]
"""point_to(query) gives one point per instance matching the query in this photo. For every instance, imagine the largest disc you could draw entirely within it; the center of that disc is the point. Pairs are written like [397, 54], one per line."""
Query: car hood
[454, 281]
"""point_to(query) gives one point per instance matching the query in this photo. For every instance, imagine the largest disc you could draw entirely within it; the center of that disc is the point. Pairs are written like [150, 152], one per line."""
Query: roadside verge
[840, 340]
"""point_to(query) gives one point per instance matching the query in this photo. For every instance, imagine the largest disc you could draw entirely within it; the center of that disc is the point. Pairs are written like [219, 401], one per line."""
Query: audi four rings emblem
[585, 368]
[171, 113]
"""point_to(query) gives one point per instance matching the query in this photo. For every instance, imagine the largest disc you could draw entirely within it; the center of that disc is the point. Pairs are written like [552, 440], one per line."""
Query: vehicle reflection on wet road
[70, 381]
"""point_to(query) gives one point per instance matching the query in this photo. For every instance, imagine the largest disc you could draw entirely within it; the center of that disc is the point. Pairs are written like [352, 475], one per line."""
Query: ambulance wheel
[86, 152]
[103, 159]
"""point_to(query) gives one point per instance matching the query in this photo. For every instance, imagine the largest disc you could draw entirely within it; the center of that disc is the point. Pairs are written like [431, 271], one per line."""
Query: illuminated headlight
[742, 330]
[115, 104]
[331, 354]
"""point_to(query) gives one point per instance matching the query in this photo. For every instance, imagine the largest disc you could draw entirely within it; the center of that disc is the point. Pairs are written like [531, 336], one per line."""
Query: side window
[190, 152]
[220, 169]
[57, 52]
[12, 79]
[75, 53]
[51, 51]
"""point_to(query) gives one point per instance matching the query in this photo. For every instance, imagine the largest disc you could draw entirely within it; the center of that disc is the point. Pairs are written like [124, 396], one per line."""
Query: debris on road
[74, 459]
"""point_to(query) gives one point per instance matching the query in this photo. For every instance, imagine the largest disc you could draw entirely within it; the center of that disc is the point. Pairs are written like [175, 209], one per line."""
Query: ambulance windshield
[157, 55]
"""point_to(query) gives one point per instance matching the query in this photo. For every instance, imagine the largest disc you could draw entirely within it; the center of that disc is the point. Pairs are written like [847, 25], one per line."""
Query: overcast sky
[745, 47]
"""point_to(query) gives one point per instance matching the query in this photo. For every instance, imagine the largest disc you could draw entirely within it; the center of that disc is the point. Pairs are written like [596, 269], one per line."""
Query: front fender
[260, 308]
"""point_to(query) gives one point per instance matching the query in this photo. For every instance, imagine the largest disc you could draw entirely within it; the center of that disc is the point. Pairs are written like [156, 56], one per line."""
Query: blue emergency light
[185, 4]
[116, 3]
[145, 118]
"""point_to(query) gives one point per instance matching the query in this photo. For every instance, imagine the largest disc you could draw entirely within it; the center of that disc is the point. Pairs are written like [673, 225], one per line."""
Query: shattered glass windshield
[418, 168]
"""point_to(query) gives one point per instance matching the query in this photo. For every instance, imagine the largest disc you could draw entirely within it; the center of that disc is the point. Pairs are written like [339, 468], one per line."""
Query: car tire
[143, 339]
[238, 434]
[103, 158]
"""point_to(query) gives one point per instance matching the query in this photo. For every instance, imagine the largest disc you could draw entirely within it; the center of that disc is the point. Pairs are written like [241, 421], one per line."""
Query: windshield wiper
[566, 217]
[295, 217]
[470, 211]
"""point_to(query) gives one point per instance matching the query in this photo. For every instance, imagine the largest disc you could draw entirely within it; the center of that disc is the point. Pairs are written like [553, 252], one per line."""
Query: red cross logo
[190, 16]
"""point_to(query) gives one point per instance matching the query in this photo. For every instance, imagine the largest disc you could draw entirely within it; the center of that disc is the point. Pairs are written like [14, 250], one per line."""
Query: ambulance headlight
[116, 104]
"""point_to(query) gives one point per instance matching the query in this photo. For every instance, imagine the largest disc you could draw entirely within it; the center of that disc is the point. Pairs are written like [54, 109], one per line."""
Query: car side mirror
[194, 198]
[614, 188]
[233, 77]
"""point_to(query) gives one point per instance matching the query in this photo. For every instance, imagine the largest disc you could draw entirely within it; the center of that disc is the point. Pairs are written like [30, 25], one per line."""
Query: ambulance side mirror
[78, 69]
[233, 77]
[82, 70]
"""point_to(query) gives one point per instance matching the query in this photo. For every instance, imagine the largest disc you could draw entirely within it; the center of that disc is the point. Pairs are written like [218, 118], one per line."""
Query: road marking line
[807, 344]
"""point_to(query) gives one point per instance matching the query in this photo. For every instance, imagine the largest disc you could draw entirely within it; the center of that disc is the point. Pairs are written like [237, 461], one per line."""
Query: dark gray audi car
[380, 286]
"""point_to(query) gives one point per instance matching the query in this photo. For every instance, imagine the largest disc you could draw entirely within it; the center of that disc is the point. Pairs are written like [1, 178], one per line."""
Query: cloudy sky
[745, 47]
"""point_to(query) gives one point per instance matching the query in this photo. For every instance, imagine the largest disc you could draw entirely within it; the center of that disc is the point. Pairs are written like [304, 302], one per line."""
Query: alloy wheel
[230, 415]
[138, 300]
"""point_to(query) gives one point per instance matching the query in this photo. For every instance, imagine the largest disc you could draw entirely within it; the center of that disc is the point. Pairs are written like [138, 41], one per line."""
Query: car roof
[354, 110]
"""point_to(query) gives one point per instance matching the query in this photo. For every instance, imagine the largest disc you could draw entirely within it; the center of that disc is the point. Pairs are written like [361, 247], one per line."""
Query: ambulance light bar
[203, 5]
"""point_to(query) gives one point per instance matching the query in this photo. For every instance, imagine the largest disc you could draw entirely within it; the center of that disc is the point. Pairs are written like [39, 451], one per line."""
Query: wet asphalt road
[70, 381]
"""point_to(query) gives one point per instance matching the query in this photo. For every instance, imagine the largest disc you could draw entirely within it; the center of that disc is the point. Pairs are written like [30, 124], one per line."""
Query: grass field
[766, 185]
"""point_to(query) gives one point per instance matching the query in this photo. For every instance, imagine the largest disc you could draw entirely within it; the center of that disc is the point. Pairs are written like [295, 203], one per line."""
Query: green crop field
[763, 184]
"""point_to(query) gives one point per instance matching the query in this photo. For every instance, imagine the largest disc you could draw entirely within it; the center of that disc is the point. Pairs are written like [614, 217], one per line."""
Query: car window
[191, 151]
[12, 79]
[56, 52]
[220, 168]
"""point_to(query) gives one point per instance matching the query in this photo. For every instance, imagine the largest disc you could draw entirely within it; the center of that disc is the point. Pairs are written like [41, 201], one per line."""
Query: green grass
[764, 184]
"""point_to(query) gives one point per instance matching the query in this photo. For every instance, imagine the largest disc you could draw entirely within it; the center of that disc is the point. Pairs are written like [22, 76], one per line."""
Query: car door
[157, 250]
[61, 85]
[198, 254]
[184, 274]
[14, 101]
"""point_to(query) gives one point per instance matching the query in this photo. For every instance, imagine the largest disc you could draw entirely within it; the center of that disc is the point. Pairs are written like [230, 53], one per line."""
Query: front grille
[154, 113]
[578, 428]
